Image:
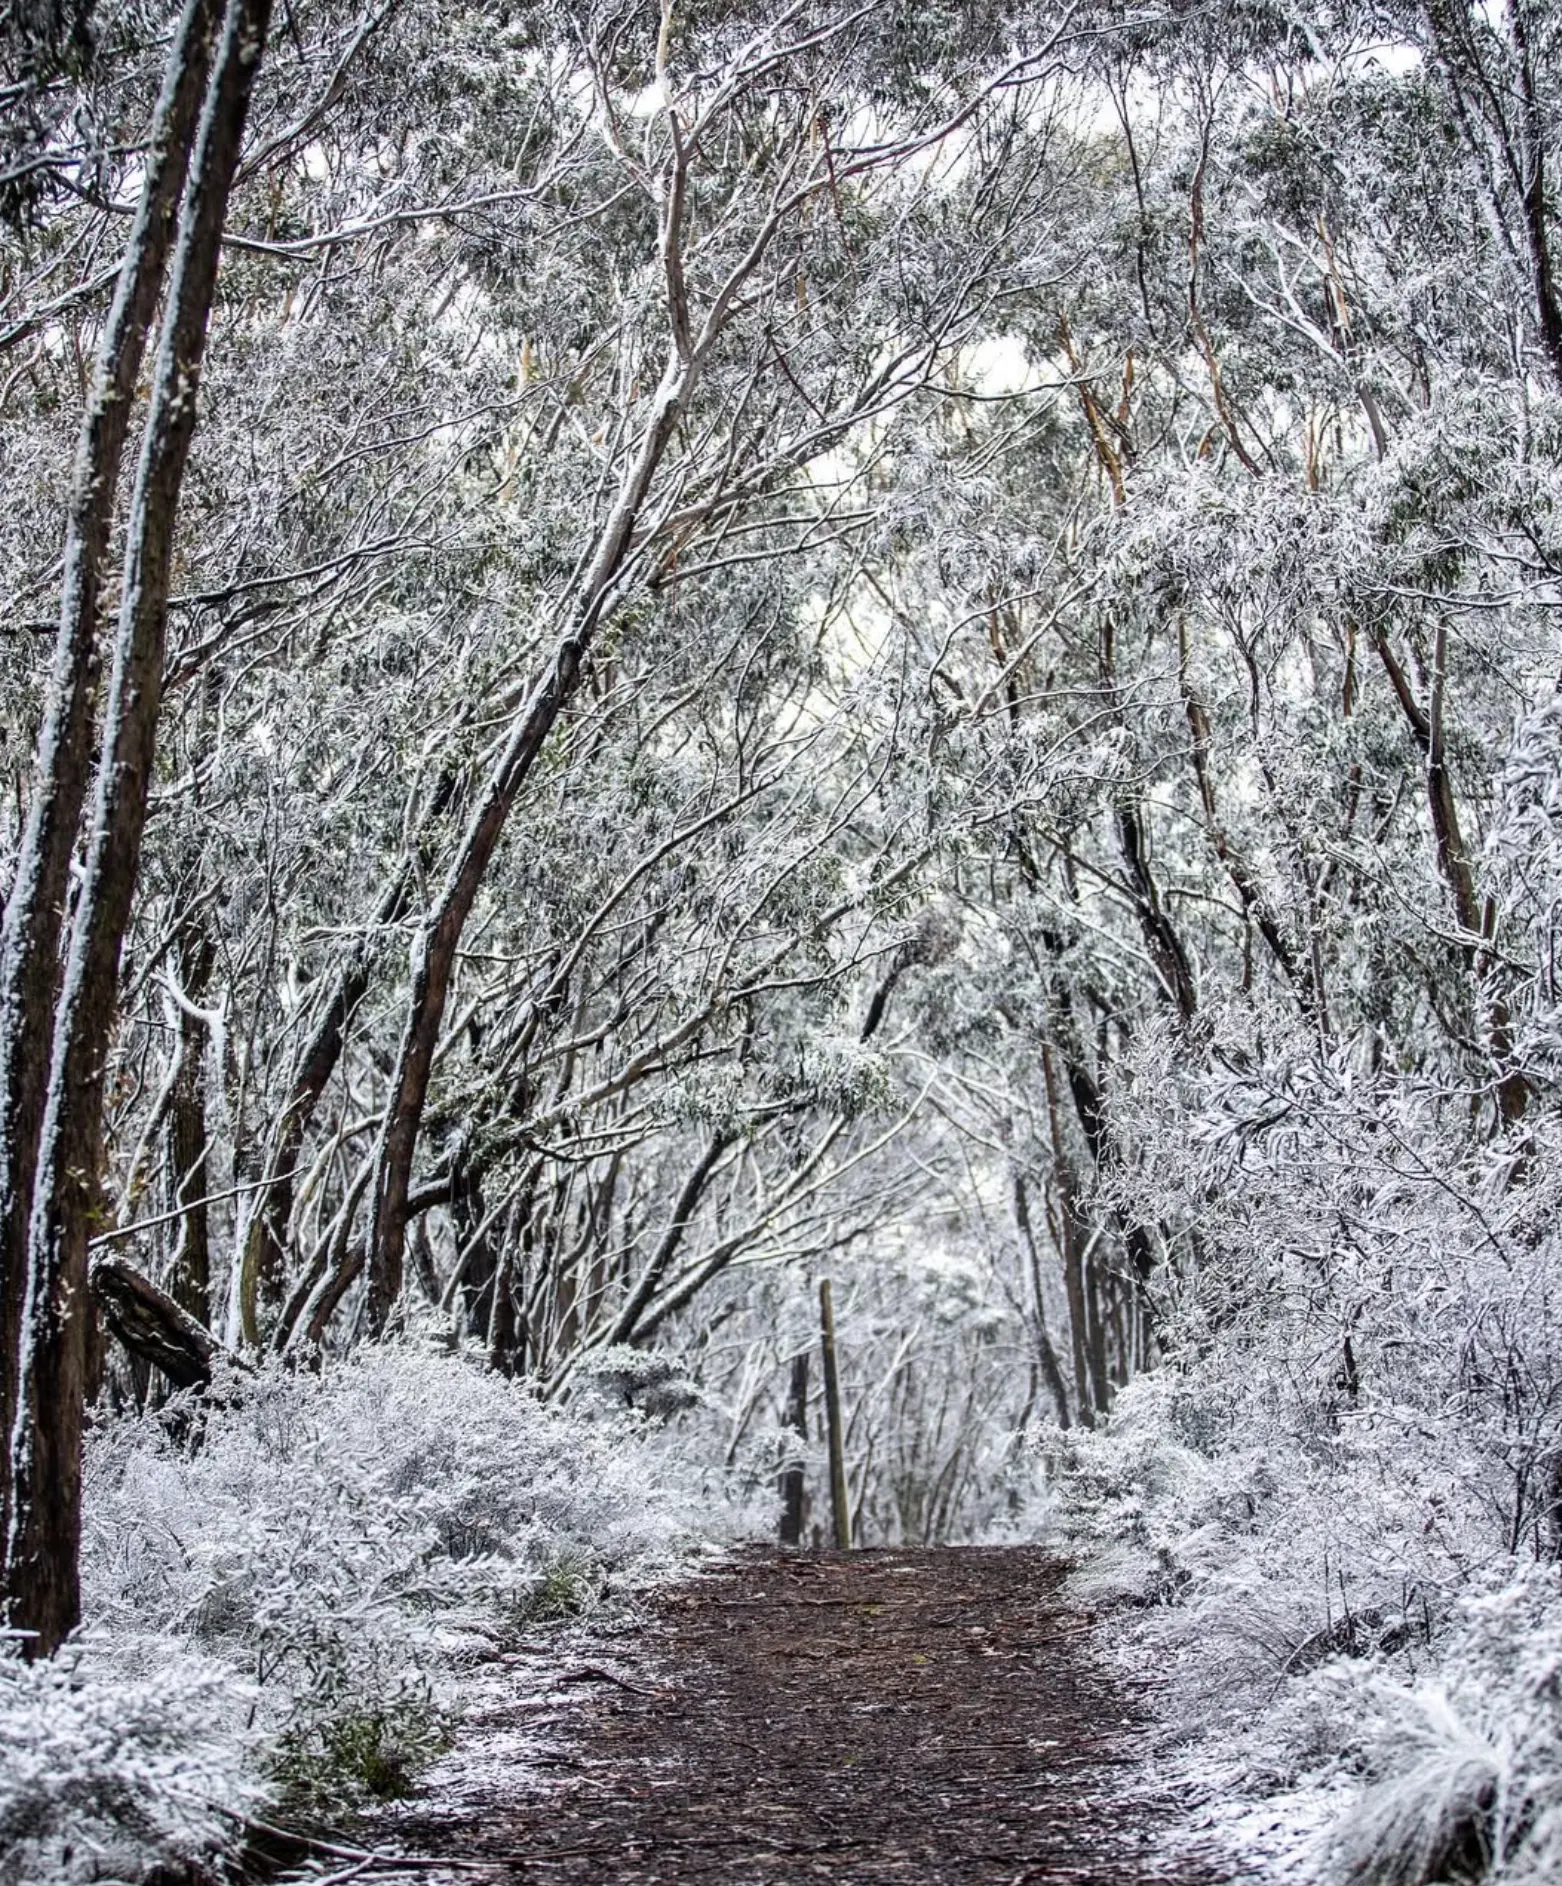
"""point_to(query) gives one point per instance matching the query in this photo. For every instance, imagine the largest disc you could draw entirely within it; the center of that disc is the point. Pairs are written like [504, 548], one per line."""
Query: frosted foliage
[1462, 1770]
[311, 1554]
[1525, 847]
[950, 689]
[101, 1774]
[1342, 1494]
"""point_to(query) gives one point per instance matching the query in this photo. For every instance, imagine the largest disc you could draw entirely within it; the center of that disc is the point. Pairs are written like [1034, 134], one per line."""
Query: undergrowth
[287, 1584]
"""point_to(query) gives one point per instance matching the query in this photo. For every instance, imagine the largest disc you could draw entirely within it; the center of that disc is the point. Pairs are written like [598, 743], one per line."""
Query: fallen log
[152, 1326]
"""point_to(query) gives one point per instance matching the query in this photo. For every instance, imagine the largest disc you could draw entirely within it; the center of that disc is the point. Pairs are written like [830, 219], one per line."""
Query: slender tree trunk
[1164, 944]
[1453, 859]
[43, 1543]
[260, 1276]
[434, 955]
[189, 1281]
[1095, 1329]
[840, 1510]
[1068, 1239]
[683, 1214]
[1473, 88]
[792, 1476]
[1047, 1356]
[1533, 182]
[35, 909]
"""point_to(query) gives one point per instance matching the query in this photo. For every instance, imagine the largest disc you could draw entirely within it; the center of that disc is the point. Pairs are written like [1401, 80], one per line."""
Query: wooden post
[840, 1511]
[792, 1476]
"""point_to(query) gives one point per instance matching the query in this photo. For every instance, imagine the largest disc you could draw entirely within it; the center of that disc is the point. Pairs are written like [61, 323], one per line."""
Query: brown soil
[934, 1717]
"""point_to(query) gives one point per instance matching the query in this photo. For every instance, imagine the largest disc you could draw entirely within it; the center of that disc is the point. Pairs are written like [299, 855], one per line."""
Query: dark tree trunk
[35, 909]
[152, 1326]
[792, 1476]
[434, 955]
[1533, 187]
[628, 1322]
[42, 1572]
[1046, 1354]
[1165, 946]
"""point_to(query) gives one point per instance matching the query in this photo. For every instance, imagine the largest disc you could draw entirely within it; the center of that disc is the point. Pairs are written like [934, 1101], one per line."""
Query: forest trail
[931, 1716]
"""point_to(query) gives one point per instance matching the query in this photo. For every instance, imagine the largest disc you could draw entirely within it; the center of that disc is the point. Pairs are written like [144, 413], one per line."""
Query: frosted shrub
[1435, 1809]
[1129, 1494]
[1456, 1772]
[101, 1777]
[346, 1543]
[1341, 1493]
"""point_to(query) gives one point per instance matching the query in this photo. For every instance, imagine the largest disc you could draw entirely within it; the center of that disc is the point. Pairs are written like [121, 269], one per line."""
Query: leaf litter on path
[876, 1718]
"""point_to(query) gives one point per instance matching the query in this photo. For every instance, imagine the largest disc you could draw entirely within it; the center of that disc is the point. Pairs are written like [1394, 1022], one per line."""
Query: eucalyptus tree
[1226, 586]
[506, 380]
[528, 403]
[52, 1131]
[767, 601]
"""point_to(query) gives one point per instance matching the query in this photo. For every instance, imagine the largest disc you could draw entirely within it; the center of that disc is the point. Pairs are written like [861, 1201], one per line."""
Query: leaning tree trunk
[434, 955]
[43, 1542]
[34, 912]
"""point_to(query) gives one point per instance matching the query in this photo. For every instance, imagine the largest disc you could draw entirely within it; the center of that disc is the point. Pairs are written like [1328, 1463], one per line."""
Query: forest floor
[939, 1717]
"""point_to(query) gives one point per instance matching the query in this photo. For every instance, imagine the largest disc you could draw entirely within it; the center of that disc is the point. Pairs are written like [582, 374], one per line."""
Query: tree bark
[35, 909]
[1046, 1355]
[1533, 187]
[1427, 726]
[628, 1320]
[792, 1476]
[152, 1326]
[1161, 938]
[42, 1571]
[1067, 1236]
[190, 1273]
[434, 955]
[840, 1510]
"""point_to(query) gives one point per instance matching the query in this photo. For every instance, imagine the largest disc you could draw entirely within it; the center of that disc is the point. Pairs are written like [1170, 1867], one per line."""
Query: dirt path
[931, 1717]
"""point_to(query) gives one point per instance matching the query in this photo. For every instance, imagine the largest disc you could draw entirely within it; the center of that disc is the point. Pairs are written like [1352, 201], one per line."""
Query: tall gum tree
[35, 907]
[809, 168]
[43, 1523]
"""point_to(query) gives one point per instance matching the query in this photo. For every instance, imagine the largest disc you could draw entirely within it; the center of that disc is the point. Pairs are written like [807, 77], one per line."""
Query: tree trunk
[1165, 946]
[260, 1278]
[190, 1272]
[152, 1326]
[43, 1583]
[683, 1213]
[1453, 859]
[35, 909]
[1067, 1236]
[1046, 1355]
[1533, 185]
[434, 955]
[792, 1476]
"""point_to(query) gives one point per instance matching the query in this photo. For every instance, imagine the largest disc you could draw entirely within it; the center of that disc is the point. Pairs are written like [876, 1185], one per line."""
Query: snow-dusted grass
[1337, 1506]
[1362, 1701]
[285, 1585]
